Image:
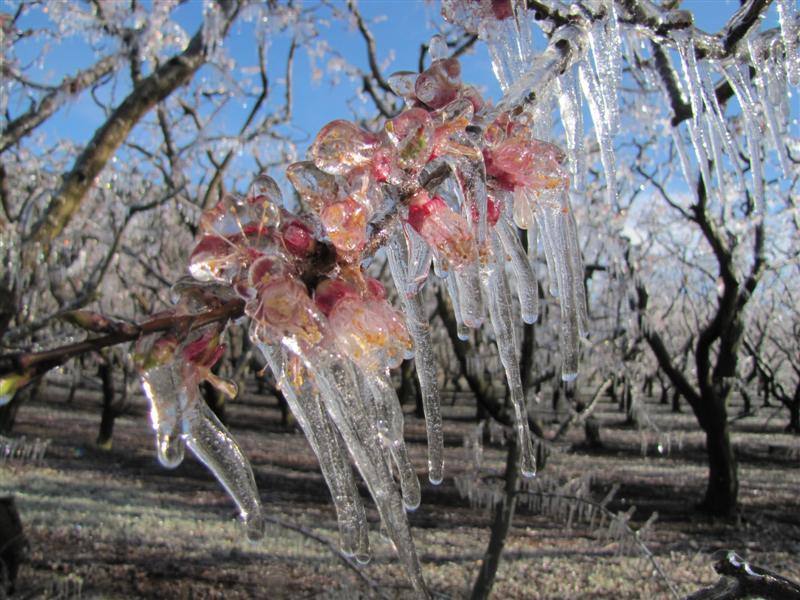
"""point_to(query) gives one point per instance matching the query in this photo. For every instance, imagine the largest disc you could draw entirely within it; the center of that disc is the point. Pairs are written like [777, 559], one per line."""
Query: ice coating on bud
[533, 164]
[314, 186]
[439, 83]
[345, 224]
[402, 83]
[341, 146]
[412, 134]
[367, 329]
[214, 259]
[264, 201]
[445, 230]
[298, 238]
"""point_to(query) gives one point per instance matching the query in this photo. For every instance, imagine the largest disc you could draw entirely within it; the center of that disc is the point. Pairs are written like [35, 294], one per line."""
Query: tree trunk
[676, 402]
[794, 416]
[104, 436]
[723, 482]
[501, 523]
[8, 413]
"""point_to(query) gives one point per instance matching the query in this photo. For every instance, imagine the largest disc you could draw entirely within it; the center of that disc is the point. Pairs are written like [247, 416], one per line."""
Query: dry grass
[113, 524]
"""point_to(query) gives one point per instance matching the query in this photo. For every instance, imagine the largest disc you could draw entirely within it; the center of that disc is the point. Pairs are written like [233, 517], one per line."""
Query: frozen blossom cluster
[446, 183]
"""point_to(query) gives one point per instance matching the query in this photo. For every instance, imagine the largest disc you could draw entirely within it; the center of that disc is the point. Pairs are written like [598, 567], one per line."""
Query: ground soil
[114, 524]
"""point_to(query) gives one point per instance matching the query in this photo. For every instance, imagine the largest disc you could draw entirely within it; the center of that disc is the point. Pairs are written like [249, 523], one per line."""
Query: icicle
[162, 385]
[606, 45]
[553, 233]
[469, 294]
[716, 120]
[789, 18]
[390, 426]
[572, 117]
[419, 262]
[765, 82]
[565, 45]
[683, 158]
[211, 443]
[698, 132]
[527, 289]
[307, 408]
[499, 301]
[338, 383]
[604, 138]
[740, 87]
[462, 331]
[549, 247]
[425, 362]
[575, 260]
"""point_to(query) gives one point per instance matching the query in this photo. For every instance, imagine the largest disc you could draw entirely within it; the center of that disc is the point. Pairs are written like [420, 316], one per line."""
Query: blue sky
[405, 27]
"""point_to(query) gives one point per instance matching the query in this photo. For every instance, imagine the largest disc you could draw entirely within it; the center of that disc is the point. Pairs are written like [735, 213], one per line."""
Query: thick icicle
[604, 138]
[554, 237]
[336, 379]
[419, 262]
[214, 446]
[390, 426]
[425, 361]
[469, 294]
[307, 408]
[527, 290]
[162, 385]
[499, 301]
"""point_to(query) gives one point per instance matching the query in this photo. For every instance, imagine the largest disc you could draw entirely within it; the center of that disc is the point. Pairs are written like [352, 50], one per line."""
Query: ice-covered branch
[29, 365]
[23, 125]
[146, 94]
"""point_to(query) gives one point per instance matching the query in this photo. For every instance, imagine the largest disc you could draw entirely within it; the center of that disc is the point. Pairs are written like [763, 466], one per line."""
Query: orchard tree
[443, 183]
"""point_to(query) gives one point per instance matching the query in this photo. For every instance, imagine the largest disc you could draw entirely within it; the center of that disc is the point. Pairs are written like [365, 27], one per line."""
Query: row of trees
[691, 258]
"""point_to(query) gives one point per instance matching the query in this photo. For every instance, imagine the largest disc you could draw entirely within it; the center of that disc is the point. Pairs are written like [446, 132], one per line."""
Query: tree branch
[146, 94]
[35, 364]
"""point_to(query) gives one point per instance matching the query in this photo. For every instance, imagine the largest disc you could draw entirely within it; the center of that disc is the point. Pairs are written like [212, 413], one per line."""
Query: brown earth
[114, 524]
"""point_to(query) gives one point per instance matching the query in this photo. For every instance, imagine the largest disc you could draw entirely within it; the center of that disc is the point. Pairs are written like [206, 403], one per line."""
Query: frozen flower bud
[411, 132]
[315, 187]
[444, 230]
[298, 238]
[439, 84]
[345, 224]
[402, 83]
[264, 201]
[214, 259]
[533, 164]
[341, 146]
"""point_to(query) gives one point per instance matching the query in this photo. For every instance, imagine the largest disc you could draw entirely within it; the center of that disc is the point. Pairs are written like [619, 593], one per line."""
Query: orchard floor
[114, 524]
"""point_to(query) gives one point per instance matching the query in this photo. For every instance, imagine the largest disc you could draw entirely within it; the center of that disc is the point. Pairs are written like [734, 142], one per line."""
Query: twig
[601, 506]
[35, 364]
[349, 562]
